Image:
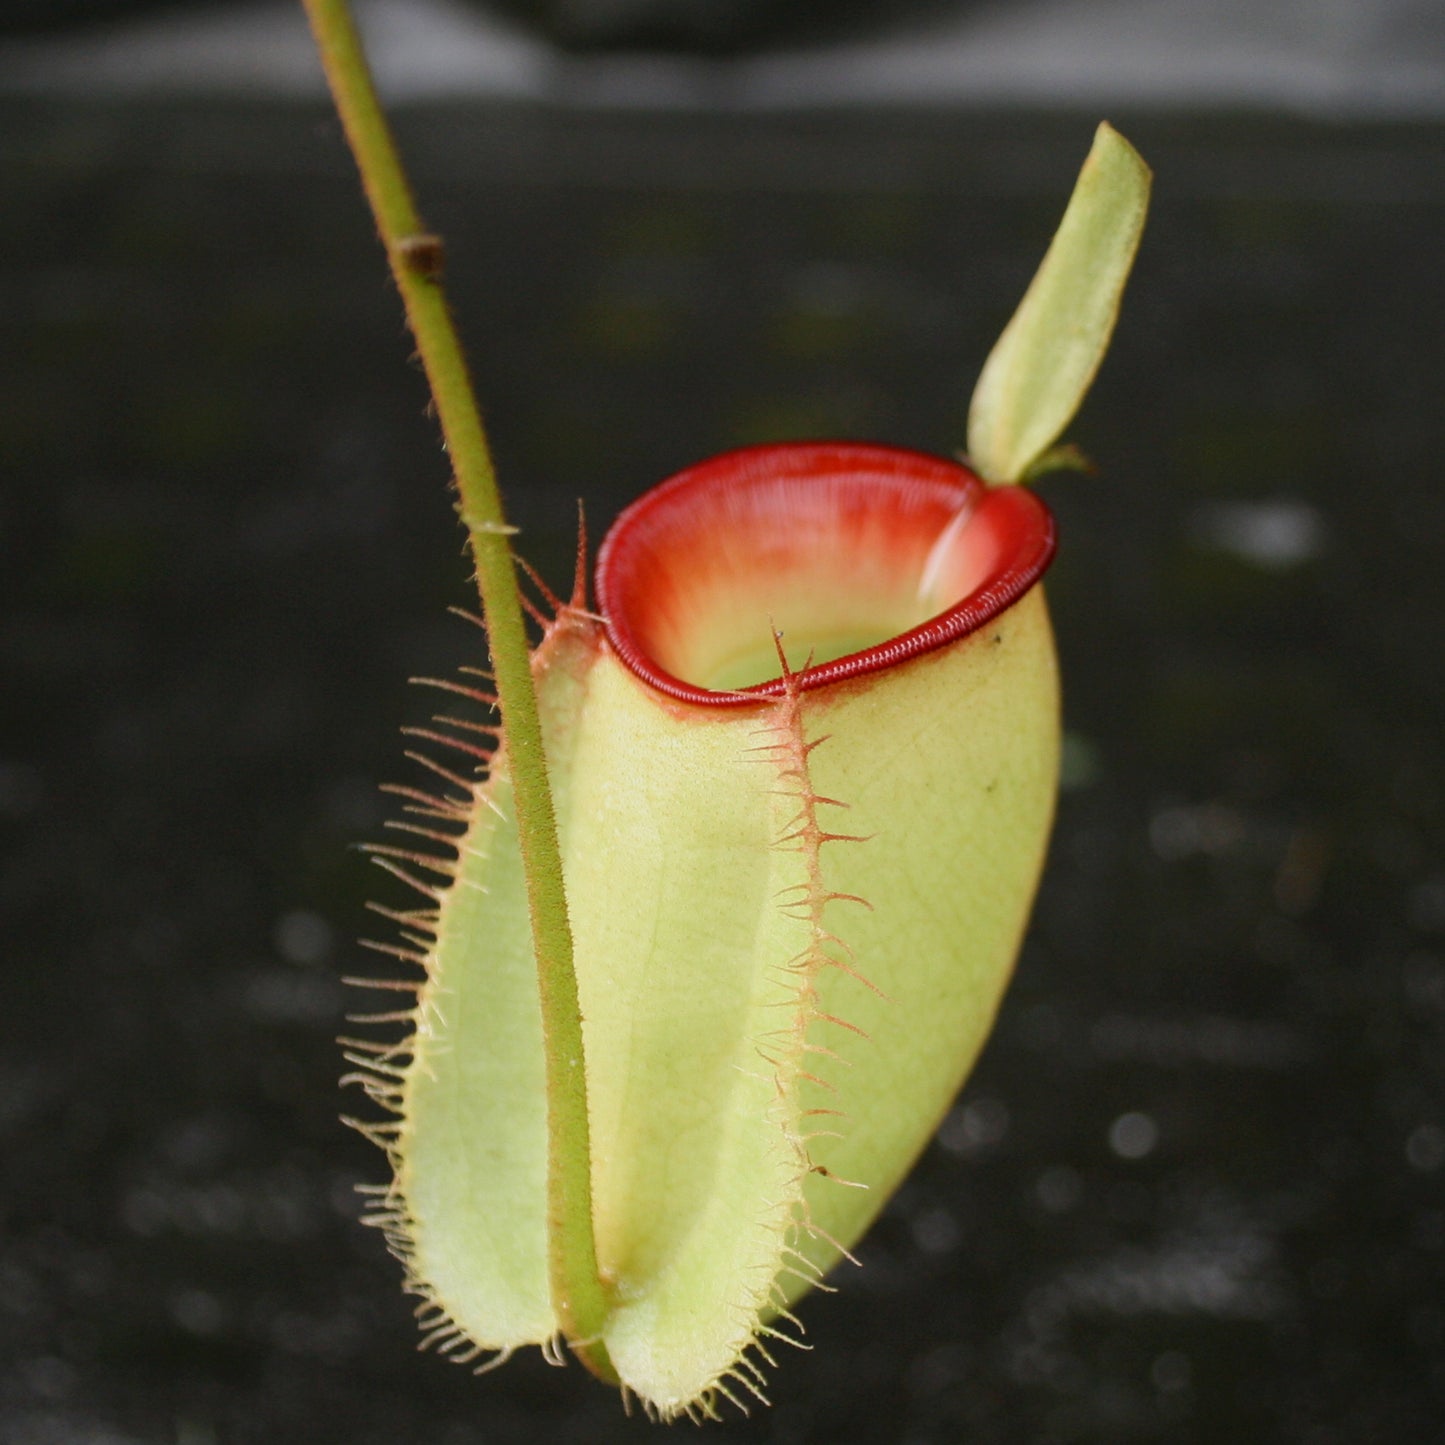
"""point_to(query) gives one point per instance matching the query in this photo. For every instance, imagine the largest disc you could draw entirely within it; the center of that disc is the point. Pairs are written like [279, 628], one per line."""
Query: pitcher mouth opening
[857, 557]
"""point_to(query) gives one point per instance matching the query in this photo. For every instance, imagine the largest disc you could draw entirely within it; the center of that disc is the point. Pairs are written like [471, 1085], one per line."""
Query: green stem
[415, 256]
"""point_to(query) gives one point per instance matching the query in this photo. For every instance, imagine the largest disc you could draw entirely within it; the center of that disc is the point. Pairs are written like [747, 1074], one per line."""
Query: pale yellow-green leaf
[692, 1023]
[1045, 361]
[951, 770]
[706, 989]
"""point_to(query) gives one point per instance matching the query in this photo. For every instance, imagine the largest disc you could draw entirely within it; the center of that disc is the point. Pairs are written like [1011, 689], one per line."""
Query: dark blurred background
[1195, 1190]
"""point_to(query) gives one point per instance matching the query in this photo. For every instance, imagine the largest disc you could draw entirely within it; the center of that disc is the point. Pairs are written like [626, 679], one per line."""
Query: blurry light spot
[1171, 1371]
[830, 287]
[1275, 534]
[354, 806]
[935, 1231]
[281, 997]
[198, 1143]
[1427, 1229]
[1059, 1189]
[20, 1294]
[1425, 1148]
[973, 1126]
[284, 1216]
[301, 936]
[145, 1212]
[341, 1194]
[938, 1370]
[1425, 982]
[1041, 1027]
[1427, 906]
[322, 1337]
[1133, 1135]
[1301, 872]
[1176, 833]
[1079, 764]
[197, 1312]
[1397, 848]
[218, 1209]
[1210, 1039]
[50, 1377]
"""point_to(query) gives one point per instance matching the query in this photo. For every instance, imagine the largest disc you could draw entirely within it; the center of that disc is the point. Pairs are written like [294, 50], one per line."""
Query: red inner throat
[856, 557]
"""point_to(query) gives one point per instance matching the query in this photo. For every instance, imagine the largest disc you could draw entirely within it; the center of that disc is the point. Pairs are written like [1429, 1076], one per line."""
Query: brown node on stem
[424, 254]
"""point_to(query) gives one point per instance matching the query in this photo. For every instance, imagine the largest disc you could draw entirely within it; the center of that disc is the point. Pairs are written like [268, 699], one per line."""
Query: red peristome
[832, 530]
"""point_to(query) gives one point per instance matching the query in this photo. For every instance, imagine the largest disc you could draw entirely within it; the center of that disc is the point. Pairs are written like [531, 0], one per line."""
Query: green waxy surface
[950, 768]
[473, 1150]
[699, 877]
[680, 943]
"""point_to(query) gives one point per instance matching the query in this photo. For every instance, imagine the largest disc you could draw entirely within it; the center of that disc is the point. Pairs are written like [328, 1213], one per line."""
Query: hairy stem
[416, 261]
